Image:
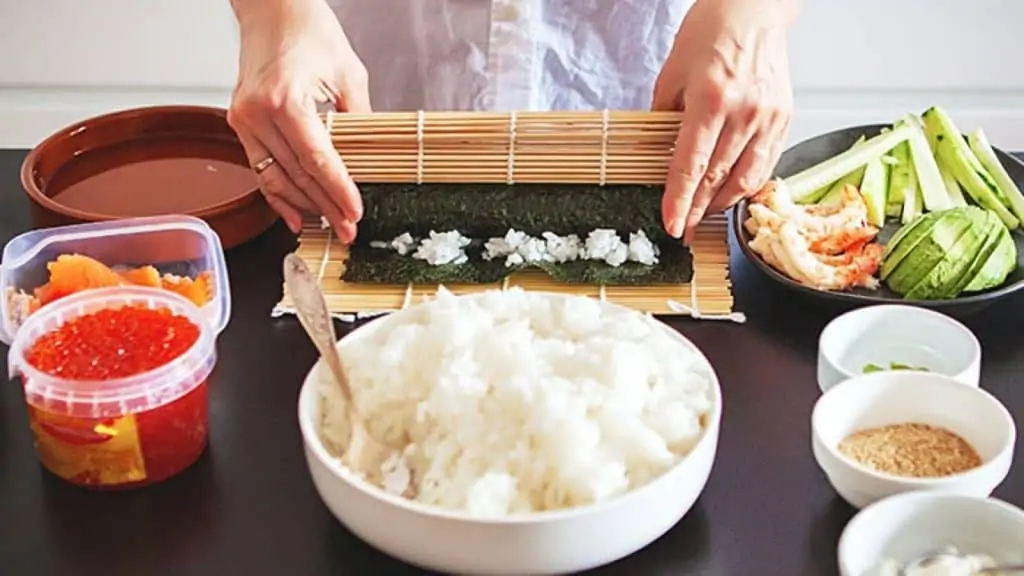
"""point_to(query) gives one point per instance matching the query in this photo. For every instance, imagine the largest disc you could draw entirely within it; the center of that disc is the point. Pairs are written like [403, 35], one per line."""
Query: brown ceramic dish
[145, 162]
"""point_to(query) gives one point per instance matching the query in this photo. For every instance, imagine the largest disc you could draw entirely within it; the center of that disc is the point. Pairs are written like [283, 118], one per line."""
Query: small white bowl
[888, 333]
[884, 398]
[556, 542]
[906, 527]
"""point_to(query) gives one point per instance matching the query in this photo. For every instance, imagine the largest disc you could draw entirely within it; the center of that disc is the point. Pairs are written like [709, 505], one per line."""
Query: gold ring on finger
[262, 165]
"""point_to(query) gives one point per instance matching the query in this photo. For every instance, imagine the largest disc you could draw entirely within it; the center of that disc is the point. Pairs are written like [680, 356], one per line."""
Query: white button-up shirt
[511, 54]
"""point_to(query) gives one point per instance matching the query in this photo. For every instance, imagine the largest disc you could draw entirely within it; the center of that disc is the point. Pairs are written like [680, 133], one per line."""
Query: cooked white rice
[517, 247]
[516, 403]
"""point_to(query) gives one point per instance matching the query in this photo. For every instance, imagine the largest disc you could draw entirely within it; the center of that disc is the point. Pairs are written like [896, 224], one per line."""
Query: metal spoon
[951, 553]
[316, 320]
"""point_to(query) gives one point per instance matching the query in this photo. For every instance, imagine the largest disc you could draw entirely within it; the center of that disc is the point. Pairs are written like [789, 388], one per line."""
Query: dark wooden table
[249, 506]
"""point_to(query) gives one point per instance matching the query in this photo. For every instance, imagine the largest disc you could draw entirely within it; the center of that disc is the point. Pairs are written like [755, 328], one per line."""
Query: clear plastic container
[180, 245]
[122, 432]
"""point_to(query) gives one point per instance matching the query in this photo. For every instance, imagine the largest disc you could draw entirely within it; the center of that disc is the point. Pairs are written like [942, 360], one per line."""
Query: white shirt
[511, 54]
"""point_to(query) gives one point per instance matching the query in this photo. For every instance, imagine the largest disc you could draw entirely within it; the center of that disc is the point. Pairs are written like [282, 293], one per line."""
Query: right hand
[295, 55]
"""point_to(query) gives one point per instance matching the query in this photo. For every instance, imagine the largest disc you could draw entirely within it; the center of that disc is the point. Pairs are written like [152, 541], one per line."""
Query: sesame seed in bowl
[889, 432]
[911, 449]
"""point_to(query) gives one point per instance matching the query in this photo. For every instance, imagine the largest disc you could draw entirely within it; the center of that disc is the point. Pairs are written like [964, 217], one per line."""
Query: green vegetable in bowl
[869, 368]
[808, 183]
[829, 193]
[929, 166]
[954, 151]
[927, 175]
[874, 187]
[1007, 187]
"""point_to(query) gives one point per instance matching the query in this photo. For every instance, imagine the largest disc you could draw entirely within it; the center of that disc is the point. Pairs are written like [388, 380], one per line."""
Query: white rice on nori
[517, 247]
[443, 248]
[402, 244]
[512, 403]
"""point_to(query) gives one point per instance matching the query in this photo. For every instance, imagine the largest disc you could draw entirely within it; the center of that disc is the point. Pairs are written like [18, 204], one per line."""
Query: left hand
[728, 72]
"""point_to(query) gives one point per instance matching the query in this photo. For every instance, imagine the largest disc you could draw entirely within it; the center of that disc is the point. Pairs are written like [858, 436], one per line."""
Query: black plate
[820, 148]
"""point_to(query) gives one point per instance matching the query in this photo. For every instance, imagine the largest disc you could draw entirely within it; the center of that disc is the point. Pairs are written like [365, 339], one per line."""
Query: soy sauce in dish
[152, 176]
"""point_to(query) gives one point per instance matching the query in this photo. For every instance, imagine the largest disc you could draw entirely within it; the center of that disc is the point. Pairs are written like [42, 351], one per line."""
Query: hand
[728, 72]
[295, 55]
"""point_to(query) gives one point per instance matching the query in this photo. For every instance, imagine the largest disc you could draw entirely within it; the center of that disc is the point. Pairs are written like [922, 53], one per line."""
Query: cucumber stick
[954, 151]
[875, 188]
[833, 194]
[899, 180]
[987, 157]
[851, 178]
[929, 179]
[956, 194]
[805, 183]
[912, 201]
[815, 196]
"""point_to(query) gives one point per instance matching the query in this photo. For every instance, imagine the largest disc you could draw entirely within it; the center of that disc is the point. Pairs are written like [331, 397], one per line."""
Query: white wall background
[854, 61]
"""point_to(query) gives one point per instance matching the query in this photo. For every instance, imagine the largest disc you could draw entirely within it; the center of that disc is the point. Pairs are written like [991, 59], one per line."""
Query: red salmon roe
[113, 343]
[133, 448]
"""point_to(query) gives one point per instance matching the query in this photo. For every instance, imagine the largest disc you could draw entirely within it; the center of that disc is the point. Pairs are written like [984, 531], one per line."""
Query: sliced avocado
[995, 232]
[929, 250]
[897, 252]
[955, 260]
[1000, 263]
[902, 233]
[904, 240]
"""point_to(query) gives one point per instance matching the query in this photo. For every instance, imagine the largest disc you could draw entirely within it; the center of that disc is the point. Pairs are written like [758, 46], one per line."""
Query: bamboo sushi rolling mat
[553, 147]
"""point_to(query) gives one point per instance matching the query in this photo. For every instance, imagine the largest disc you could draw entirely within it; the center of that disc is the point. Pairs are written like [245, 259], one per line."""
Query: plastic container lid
[180, 245]
[117, 396]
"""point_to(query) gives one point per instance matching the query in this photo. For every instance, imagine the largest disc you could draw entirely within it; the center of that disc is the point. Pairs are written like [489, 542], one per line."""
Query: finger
[311, 141]
[735, 136]
[273, 182]
[272, 145]
[695, 143]
[306, 186]
[292, 217]
[347, 232]
[751, 173]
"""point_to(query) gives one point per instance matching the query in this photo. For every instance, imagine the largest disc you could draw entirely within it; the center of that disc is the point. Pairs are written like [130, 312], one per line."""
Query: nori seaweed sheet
[382, 265]
[483, 211]
[489, 210]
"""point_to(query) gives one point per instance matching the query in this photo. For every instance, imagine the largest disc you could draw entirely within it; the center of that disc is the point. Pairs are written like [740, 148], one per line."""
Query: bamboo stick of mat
[603, 147]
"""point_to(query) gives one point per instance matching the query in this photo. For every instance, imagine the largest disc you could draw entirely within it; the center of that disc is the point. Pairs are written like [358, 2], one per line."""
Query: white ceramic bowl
[888, 333]
[906, 527]
[557, 542]
[884, 398]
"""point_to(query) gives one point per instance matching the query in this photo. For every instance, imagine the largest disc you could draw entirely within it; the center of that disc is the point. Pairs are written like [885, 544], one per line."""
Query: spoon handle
[1001, 570]
[314, 316]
